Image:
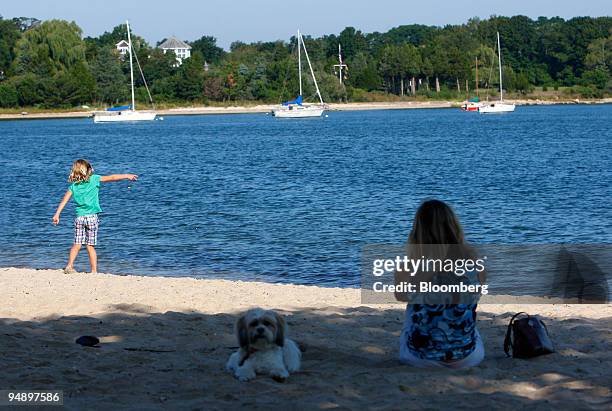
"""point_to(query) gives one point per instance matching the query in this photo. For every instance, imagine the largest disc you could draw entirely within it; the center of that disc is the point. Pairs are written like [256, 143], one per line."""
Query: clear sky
[266, 20]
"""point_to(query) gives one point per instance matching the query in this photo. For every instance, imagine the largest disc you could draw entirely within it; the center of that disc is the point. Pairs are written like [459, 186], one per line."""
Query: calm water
[253, 197]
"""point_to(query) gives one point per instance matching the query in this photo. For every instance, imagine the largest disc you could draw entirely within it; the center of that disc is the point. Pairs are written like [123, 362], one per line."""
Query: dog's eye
[267, 323]
[254, 323]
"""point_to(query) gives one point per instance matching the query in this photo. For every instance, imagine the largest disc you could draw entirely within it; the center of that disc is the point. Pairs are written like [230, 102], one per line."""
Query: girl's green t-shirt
[86, 196]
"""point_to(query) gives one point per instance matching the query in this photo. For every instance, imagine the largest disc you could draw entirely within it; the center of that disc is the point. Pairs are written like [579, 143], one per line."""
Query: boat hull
[496, 108]
[471, 106]
[122, 116]
[298, 111]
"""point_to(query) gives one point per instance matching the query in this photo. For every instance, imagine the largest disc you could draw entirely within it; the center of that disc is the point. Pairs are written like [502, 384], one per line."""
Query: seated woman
[439, 334]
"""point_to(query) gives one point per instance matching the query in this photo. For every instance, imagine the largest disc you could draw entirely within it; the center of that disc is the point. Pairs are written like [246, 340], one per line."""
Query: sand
[165, 342]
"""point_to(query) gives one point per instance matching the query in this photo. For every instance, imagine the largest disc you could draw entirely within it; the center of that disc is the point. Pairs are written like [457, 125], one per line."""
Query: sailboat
[296, 108]
[472, 104]
[499, 106]
[126, 113]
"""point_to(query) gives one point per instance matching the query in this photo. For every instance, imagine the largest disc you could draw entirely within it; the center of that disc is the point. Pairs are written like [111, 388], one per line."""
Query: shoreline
[265, 108]
[165, 341]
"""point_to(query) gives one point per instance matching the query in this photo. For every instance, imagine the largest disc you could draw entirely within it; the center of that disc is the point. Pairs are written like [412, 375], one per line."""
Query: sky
[269, 20]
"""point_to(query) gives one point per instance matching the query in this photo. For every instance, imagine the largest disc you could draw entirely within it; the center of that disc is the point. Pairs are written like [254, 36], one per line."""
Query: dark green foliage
[49, 48]
[8, 95]
[189, 79]
[9, 34]
[73, 87]
[49, 64]
[598, 77]
[112, 84]
[31, 89]
[521, 83]
[207, 46]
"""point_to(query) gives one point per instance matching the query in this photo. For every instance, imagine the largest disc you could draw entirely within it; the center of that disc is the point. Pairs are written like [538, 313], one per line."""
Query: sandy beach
[266, 108]
[165, 342]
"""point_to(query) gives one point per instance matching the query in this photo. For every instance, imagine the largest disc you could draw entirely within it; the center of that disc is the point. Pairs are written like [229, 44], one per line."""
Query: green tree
[331, 89]
[42, 60]
[157, 65]
[389, 67]
[409, 64]
[363, 72]
[598, 77]
[9, 34]
[427, 70]
[53, 46]
[111, 82]
[600, 54]
[214, 87]
[75, 86]
[30, 89]
[435, 53]
[189, 83]
[207, 46]
[8, 95]
[118, 33]
[521, 83]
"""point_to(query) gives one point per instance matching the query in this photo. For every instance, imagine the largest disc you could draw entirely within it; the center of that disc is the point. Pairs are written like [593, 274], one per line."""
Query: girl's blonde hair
[80, 172]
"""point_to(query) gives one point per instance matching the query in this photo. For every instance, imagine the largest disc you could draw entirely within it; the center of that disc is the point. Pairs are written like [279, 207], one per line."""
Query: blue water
[253, 197]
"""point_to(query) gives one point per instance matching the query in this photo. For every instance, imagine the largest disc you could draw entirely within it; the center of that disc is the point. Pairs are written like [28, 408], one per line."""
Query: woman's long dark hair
[436, 223]
[437, 234]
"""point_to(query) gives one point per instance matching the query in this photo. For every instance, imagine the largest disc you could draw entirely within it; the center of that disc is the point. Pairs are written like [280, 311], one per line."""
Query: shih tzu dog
[264, 347]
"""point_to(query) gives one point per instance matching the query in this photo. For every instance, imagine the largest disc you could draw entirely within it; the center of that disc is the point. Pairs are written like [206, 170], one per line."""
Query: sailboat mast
[340, 61]
[127, 23]
[501, 84]
[299, 60]
[477, 95]
[314, 79]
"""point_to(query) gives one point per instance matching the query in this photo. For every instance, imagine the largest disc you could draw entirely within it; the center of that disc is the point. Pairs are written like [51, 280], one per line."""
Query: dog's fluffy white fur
[264, 347]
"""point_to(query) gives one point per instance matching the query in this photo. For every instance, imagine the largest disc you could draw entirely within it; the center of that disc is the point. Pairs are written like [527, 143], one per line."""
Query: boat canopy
[473, 100]
[120, 108]
[297, 101]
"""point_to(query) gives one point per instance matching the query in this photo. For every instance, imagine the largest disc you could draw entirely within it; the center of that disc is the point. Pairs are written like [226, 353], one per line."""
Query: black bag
[528, 337]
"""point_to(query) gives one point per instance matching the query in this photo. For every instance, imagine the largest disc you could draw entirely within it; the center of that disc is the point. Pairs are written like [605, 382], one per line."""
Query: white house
[123, 47]
[179, 47]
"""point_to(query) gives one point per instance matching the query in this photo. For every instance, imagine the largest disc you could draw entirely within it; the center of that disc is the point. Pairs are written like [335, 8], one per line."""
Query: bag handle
[508, 339]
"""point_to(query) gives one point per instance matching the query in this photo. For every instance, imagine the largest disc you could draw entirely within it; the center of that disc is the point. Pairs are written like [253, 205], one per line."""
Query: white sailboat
[499, 106]
[296, 108]
[126, 113]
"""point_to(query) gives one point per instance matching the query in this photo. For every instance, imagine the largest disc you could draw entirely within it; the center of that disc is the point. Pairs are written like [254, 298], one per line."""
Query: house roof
[174, 43]
[122, 43]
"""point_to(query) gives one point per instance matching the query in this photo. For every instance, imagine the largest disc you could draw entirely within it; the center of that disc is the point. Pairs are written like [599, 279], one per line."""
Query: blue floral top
[442, 332]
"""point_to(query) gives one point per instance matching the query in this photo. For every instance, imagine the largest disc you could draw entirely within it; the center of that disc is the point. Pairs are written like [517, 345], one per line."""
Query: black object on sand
[88, 341]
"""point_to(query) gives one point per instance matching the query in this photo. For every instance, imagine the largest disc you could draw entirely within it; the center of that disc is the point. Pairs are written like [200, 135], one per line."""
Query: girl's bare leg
[74, 251]
[93, 258]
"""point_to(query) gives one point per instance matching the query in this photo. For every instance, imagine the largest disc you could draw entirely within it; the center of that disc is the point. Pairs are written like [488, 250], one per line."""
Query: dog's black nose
[260, 330]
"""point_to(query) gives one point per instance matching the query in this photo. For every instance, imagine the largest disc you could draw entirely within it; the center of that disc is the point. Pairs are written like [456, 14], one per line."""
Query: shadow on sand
[176, 360]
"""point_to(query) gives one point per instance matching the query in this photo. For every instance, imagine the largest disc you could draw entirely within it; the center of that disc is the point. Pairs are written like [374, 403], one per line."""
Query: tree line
[49, 64]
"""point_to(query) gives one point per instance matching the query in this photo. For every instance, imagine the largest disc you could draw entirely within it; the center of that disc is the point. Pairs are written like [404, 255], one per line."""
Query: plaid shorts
[86, 229]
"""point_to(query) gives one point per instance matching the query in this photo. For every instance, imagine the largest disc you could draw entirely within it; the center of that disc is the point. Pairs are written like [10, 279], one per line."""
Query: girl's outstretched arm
[118, 177]
[61, 206]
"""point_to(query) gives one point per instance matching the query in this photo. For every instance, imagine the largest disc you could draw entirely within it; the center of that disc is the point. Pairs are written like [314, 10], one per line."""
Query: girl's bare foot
[69, 270]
